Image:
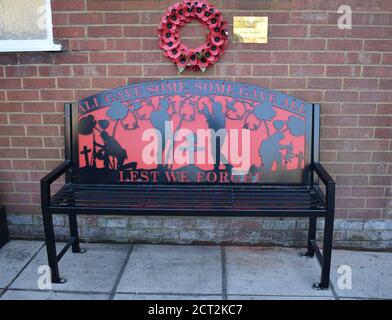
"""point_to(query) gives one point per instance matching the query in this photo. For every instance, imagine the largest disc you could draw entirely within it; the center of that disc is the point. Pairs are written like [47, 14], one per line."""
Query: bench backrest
[192, 131]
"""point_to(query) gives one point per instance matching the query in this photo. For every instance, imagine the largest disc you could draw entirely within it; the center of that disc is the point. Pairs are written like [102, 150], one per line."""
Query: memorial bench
[191, 148]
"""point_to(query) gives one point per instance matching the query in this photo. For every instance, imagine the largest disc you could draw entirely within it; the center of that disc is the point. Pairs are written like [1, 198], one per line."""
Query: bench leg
[51, 246]
[327, 253]
[311, 236]
[73, 226]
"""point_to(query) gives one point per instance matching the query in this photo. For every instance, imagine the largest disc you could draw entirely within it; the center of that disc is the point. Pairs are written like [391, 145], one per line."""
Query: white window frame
[31, 44]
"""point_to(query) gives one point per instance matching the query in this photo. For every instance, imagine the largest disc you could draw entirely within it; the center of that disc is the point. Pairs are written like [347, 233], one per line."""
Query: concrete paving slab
[125, 296]
[13, 257]
[271, 271]
[93, 271]
[50, 295]
[173, 269]
[371, 274]
[236, 297]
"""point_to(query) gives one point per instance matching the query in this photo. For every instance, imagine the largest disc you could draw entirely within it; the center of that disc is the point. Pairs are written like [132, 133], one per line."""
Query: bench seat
[208, 199]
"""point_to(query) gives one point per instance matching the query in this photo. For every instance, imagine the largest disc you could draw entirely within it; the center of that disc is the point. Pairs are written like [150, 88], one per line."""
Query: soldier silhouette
[269, 151]
[111, 148]
[216, 121]
[158, 120]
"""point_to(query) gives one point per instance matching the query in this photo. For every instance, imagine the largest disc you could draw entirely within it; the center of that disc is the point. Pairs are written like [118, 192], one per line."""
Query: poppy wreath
[208, 53]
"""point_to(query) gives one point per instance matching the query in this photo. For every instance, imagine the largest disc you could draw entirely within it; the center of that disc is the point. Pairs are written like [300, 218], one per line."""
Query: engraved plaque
[250, 29]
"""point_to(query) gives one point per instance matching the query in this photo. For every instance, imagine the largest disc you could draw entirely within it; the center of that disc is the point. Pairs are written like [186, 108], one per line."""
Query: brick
[384, 109]
[127, 44]
[348, 108]
[376, 96]
[9, 83]
[287, 31]
[107, 83]
[233, 70]
[69, 32]
[70, 83]
[342, 71]
[369, 168]
[21, 71]
[309, 18]
[71, 57]
[375, 121]
[108, 57]
[62, 95]
[28, 164]
[288, 83]
[55, 71]
[326, 32]
[360, 84]
[89, 18]
[53, 118]
[289, 57]
[383, 133]
[38, 83]
[42, 131]
[44, 153]
[378, 45]
[25, 119]
[13, 153]
[104, 5]
[381, 180]
[367, 191]
[87, 44]
[24, 95]
[105, 32]
[344, 45]
[308, 44]
[10, 106]
[69, 5]
[378, 72]
[319, 83]
[143, 57]
[305, 70]
[124, 70]
[140, 31]
[341, 96]
[7, 130]
[349, 180]
[354, 156]
[26, 142]
[382, 156]
[122, 18]
[363, 58]
[8, 59]
[90, 71]
[38, 107]
[270, 70]
[327, 57]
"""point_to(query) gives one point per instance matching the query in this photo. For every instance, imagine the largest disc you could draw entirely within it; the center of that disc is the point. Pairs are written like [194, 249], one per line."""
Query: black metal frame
[315, 170]
[4, 234]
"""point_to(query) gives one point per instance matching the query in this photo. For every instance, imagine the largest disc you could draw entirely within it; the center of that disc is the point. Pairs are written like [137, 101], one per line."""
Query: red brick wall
[111, 43]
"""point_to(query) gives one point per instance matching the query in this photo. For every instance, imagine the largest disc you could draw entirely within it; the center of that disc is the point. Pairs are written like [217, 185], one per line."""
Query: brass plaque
[250, 30]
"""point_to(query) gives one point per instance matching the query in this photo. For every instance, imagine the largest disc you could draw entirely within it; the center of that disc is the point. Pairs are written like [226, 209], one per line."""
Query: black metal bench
[114, 164]
[4, 234]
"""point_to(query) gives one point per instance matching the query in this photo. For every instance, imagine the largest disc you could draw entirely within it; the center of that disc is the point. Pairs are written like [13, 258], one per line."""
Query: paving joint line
[120, 274]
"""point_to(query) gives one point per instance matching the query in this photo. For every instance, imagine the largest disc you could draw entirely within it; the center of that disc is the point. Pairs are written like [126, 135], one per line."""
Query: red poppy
[169, 45]
[168, 36]
[182, 62]
[193, 59]
[203, 63]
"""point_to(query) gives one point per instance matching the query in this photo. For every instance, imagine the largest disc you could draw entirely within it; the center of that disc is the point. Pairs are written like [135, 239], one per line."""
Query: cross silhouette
[85, 152]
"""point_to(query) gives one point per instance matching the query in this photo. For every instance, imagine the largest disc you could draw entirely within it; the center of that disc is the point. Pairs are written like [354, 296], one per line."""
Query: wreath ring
[209, 52]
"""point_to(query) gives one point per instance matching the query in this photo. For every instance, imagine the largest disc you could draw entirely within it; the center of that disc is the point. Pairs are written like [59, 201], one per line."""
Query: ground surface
[118, 271]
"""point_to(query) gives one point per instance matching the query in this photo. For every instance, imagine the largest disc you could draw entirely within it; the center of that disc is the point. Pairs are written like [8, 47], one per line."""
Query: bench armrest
[329, 184]
[49, 179]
